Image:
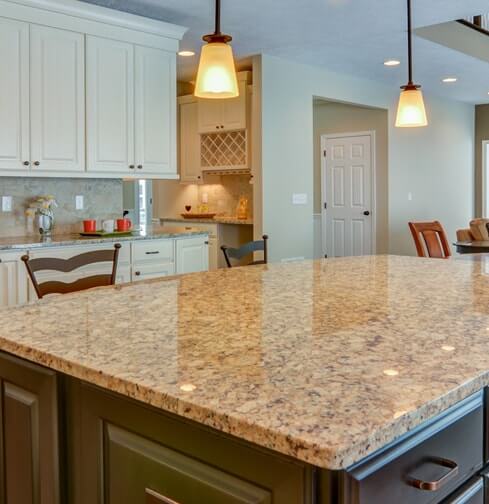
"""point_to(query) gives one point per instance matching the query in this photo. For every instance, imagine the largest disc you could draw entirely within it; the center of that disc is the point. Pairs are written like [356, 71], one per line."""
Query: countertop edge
[330, 458]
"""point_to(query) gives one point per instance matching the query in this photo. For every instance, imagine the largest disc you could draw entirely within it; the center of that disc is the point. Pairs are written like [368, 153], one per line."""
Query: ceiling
[347, 36]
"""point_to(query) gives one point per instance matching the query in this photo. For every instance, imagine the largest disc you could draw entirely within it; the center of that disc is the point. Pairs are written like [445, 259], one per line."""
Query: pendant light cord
[410, 43]
[218, 18]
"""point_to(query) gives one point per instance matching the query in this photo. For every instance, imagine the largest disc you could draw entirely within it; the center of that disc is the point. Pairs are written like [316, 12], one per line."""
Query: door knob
[366, 212]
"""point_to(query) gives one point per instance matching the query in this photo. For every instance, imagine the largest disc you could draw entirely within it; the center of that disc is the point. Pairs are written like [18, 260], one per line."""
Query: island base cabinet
[29, 457]
[128, 453]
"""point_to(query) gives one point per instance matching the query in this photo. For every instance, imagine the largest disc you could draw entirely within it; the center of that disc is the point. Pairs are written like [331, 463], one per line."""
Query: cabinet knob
[217, 127]
[131, 166]
[26, 163]
[140, 166]
[36, 163]
[198, 176]
[206, 242]
[138, 273]
[222, 127]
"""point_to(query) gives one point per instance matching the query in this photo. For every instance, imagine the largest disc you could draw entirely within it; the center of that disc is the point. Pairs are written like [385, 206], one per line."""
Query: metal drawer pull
[153, 497]
[433, 486]
[153, 252]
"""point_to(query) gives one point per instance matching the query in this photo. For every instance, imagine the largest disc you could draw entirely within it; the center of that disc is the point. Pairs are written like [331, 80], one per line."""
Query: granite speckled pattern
[326, 361]
[60, 240]
[216, 220]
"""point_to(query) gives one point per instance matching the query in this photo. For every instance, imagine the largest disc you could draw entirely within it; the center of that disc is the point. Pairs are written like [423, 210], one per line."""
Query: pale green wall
[434, 163]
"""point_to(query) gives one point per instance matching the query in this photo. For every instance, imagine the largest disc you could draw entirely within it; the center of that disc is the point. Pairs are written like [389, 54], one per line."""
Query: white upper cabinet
[189, 160]
[155, 111]
[117, 120]
[110, 106]
[57, 90]
[14, 95]
[224, 115]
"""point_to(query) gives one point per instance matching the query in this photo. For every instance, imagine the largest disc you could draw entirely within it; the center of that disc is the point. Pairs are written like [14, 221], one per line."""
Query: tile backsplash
[102, 199]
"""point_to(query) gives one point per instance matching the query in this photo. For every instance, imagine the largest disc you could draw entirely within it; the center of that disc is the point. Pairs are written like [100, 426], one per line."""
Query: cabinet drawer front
[152, 270]
[471, 493]
[161, 475]
[427, 465]
[161, 251]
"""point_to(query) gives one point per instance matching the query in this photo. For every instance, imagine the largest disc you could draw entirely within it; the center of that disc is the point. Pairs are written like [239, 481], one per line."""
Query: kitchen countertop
[215, 220]
[59, 240]
[326, 361]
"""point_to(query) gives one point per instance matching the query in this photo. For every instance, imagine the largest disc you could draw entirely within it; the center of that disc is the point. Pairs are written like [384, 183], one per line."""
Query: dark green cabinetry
[29, 449]
[132, 454]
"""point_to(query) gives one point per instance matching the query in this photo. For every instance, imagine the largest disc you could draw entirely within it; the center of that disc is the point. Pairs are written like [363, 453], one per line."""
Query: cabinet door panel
[234, 110]
[210, 115]
[14, 94]
[190, 170]
[192, 255]
[57, 99]
[29, 419]
[13, 281]
[138, 470]
[155, 111]
[110, 106]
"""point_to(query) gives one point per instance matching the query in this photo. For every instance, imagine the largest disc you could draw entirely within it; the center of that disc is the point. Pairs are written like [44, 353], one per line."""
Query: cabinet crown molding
[104, 15]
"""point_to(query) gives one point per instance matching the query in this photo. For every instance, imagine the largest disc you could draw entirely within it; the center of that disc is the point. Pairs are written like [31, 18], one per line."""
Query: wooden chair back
[430, 239]
[69, 265]
[246, 249]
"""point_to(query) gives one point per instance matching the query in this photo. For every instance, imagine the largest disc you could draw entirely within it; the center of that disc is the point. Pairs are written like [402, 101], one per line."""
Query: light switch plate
[79, 202]
[6, 203]
[299, 199]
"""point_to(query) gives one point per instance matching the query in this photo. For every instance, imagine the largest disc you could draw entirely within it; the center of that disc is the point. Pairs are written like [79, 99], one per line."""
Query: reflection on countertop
[59, 240]
[326, 361]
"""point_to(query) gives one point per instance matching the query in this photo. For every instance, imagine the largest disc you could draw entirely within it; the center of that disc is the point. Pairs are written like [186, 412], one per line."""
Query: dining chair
[245, 250]
[430, 239]
[67, 266]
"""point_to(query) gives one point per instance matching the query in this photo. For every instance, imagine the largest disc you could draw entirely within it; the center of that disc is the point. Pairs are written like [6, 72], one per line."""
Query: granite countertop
[216, 220]
[59, 240]
[326, 361]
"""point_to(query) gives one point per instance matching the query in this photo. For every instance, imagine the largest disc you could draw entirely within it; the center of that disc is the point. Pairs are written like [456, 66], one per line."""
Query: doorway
[348, 194]
[485, 178]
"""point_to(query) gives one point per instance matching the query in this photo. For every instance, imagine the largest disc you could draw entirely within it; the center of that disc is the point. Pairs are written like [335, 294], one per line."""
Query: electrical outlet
[6, 203]
[79, 202]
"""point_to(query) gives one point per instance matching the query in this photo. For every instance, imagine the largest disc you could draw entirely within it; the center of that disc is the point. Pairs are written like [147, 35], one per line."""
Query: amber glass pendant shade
[411, 112]
[216, 75]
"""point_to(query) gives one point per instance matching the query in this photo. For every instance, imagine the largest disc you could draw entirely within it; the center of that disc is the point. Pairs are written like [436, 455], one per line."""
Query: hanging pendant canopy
[411, 112]
[216, 76]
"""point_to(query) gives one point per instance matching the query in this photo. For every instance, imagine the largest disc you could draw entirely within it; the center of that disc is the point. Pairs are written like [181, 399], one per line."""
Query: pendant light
[216, 76]
[411, 112]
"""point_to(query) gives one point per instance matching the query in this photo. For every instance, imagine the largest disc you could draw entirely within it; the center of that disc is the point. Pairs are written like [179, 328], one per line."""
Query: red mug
[90, 226]
[123, 224]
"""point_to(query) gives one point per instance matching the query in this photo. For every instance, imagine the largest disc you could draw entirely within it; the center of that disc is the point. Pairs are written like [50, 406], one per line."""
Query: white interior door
[57, 86]
[14, 95]
[347, 175]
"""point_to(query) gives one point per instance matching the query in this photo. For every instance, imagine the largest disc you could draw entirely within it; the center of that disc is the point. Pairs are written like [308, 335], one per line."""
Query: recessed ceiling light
[449, 79]
[392, 62]
[186, 53]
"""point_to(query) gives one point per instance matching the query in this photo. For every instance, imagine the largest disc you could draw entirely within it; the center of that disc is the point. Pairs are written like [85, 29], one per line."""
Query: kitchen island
[315, 382]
